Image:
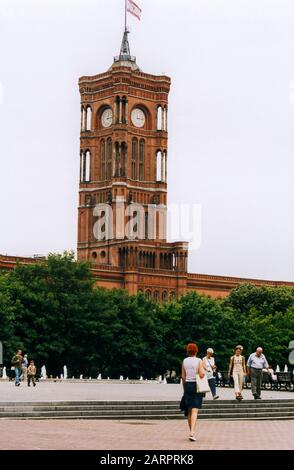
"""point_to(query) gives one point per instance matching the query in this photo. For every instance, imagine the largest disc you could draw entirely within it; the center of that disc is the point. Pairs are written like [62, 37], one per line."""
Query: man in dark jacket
[16, 362]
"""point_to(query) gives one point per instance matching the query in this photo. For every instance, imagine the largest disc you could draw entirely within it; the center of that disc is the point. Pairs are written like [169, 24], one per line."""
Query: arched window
[87, 166]
[172, 295]
[134, 158]
[88, 118]
[102, 160]
[109, 159]
[116, 159]
[156, 296]
[82, 118]
[123, 158]
[159, 118]
[164, 296]
[158, 165]
[148, 294]
[124, 110]
[117, 106]
[81, 166]
[165, 118]
[141, 160]
[164, 166]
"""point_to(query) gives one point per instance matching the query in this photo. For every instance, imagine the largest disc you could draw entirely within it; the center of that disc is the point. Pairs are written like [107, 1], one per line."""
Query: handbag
[202, 385]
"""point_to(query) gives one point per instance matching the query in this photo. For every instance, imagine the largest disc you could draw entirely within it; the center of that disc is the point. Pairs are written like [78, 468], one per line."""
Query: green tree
[265, 300]
[7, 321]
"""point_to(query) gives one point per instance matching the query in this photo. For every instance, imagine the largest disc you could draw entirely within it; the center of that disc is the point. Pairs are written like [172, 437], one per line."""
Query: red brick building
[123, 188]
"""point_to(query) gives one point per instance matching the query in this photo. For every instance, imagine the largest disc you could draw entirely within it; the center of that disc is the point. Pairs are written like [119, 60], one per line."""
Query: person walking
[237, 369]
[256, 362]
[16, 362]
[32, 373]
[210, 369]
[24, 367]
[192, 401]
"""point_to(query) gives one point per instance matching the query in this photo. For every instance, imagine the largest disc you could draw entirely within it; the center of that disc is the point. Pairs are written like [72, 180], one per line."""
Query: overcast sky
[231, 121]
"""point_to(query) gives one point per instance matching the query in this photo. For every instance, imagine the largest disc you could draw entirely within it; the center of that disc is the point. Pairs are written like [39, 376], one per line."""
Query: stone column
[162, 170]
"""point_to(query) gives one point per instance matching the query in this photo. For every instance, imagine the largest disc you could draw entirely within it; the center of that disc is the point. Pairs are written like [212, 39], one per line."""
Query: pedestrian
[32, 373]
[210, 369]
[16, 362]
[237, 369]
[273, 377]
[256, 362]
[192, 401]
[24, 367]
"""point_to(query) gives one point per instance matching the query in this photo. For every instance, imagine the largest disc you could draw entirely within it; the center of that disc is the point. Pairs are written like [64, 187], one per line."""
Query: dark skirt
[191, 399]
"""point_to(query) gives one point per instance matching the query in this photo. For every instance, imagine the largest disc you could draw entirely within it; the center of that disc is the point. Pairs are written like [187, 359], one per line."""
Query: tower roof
[125, 58]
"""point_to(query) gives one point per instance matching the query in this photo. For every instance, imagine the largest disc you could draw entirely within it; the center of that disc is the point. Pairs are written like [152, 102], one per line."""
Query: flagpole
[125, 16]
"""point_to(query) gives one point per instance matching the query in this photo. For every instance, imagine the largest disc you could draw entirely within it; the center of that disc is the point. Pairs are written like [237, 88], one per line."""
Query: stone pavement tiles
[145, 435]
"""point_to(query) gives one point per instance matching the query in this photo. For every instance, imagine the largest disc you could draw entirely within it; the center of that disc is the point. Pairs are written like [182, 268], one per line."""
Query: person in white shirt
[210, 369]
[237, 369]
[192, 401]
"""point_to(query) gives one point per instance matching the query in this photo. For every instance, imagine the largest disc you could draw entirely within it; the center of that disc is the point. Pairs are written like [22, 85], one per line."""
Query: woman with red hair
[192, 401]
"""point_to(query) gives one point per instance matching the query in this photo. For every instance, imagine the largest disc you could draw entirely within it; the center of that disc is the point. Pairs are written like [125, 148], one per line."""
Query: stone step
[117, 414]
[215, 410]
[144, 402]
[217, 407]
[226, 417]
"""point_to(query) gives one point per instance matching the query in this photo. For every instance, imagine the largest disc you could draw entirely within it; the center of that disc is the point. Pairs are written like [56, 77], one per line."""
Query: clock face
[106, 118]
[138, 117]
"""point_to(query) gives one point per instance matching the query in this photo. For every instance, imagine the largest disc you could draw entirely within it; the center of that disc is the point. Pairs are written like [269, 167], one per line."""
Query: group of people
[195, 369]
[23, 369]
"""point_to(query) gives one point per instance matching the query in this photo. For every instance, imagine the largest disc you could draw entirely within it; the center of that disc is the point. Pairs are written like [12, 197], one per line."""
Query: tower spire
[125, 56]
[125, 53]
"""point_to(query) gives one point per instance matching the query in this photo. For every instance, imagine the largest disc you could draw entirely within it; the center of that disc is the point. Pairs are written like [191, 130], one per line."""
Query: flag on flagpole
[134, 9]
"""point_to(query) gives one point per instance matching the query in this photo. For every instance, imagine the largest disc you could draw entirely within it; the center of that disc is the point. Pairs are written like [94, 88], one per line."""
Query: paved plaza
[114, 434]
[103, 390]
[146, 435]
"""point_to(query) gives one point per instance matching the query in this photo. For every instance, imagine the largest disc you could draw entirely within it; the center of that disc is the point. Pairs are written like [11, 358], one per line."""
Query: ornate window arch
[86, 166]
[159, 118]
[87, 169]
[89, 119]
[158, 165]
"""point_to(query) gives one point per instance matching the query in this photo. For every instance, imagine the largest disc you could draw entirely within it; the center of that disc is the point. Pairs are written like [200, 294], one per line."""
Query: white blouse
[191, 366]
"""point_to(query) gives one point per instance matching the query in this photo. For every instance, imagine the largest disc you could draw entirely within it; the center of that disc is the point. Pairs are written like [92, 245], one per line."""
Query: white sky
[231, 120]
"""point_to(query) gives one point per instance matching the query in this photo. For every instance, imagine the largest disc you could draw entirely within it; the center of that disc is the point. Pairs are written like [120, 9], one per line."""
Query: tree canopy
[53, 311]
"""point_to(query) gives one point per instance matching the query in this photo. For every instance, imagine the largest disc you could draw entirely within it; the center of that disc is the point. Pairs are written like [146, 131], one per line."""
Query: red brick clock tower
[123, 181]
